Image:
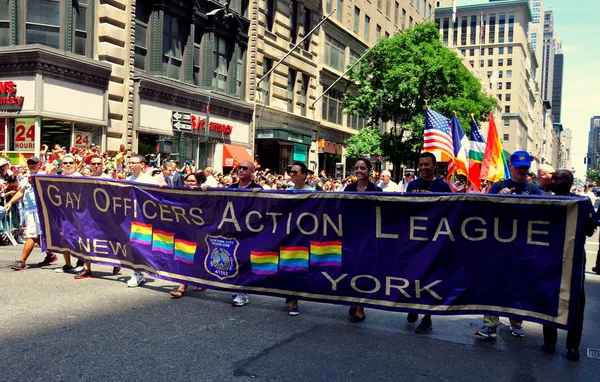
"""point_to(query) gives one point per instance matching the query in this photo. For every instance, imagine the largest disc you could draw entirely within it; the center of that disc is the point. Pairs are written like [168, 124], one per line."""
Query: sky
[578, 27]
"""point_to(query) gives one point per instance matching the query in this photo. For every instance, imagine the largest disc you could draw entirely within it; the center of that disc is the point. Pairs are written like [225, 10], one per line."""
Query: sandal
[175, 294]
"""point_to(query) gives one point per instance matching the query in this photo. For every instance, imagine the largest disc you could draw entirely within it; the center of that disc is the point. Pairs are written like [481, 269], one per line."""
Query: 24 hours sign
[24, 134]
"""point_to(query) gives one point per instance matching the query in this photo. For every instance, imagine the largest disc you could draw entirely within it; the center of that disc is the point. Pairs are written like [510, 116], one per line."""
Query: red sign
[200, 124]
[8, 94]
[25, 134]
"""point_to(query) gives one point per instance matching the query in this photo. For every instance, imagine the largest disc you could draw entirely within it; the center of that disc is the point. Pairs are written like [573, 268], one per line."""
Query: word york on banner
[436, 253]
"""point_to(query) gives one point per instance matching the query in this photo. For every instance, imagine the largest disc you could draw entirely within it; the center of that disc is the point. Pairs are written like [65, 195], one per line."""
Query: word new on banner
[435, 253]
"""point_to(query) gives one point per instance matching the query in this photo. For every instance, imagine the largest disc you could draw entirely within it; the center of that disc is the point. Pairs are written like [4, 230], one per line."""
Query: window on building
[265, 84]
[463, 30]
[396, 13]
[387, 35]
[509, 62]
[499, 96]
[510, 49]
[328, 7]
[499, 85]
[501, 50]
[499, 73]
[492, 29]
[471, 52]
[353, 58]
[482, 52]
[241, 72]
[332, 106]
[489, 74]
[356, 19]
[508, 73]
[306, 24]
[334, 53]
[472, 63]
[291, 87]
[404, 19]
[507, 109]
[410, 25]
[511, 26]
[506, 123]
[506, 136]
[356, 122]
[222, 57]
[173, 46]
[81, 43]
[463, 52]
[454, 36]
[417, 5]
[197, 55]
[508, 85]
[490, 62]
[500, 62]
[379, 4]
[446, 24]
[507, 97]
[491, 51]
[142, 35]
[5, 23]
[473, 35]
[378, 33]
[501, 27]
[42, 23]
[294, 21]
[270, 13]
[367, 27]
[303, 93]
[481, 63]
[339, 15]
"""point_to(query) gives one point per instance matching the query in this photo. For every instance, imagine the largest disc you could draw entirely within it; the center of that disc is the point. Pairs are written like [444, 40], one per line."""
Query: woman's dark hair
[200, 177]
[303, 168]
[11, 179]
[367, 162]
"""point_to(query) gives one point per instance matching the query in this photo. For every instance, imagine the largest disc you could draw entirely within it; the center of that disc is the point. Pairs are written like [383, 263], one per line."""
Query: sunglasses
[130, 163]
[293, 172]
[245, 168]
[95, 164]
[68, 163]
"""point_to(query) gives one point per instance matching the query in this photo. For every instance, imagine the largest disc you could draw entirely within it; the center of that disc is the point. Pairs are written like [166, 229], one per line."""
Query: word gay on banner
[436, 253]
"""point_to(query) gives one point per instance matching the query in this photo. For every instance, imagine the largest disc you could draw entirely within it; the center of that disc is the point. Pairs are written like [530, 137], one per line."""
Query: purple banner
[437, 253]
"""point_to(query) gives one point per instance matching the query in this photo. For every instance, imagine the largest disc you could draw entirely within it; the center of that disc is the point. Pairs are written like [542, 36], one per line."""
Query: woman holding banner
[362, 169]
[192, 181]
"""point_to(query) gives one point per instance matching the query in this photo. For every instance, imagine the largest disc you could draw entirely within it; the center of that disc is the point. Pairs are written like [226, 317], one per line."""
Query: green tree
[592, 175]
[366, 143]
[399, 75]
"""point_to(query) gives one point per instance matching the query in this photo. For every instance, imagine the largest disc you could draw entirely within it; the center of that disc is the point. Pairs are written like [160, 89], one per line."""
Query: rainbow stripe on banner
[163, 242]
[326, 253]
[185, 251]
[293, 258]
[141, 233]
[264, 263]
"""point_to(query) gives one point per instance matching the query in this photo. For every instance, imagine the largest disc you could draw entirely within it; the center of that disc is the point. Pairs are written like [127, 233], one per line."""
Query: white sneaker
[78, 269]
[240, 299]
[135, 280]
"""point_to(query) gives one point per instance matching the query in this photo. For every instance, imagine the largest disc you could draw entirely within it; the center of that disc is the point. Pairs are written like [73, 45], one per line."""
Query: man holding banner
[520, 161]
[426, 183]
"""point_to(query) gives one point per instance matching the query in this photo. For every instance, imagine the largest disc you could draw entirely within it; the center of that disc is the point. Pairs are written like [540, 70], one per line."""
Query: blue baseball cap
[520, 159]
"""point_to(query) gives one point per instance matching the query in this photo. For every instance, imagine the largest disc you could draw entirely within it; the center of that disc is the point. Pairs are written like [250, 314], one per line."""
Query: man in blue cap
[519, 165]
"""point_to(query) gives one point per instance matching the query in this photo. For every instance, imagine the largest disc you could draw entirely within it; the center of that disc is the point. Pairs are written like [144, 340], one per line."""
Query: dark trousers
[574, 334]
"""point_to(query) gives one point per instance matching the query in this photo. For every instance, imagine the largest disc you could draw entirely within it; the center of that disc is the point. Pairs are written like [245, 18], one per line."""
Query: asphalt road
[55, 328]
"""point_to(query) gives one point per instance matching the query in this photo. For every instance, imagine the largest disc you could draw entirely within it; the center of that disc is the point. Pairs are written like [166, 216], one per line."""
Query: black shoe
[596, 270]
[573, 354]
[79, 263]
[412, 318]
[424, 327]
[548, 348]
[116, 271]
[49, 259]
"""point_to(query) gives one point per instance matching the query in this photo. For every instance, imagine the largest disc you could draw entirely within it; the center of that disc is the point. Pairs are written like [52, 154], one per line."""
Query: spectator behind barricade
[408, 177]
[519, 164]
[4, 167]
[544, 178]
[386, 183]
[44, 155]
[120, 158]
[176, 176]
[587, 191]
[57, 153]
[210, 179]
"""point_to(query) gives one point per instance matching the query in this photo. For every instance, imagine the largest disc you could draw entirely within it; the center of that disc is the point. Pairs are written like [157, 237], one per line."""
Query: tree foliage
[397, 77]
[592, 175]
[366, 143]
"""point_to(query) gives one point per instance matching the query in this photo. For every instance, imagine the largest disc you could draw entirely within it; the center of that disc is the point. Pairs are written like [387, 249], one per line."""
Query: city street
[55, 328]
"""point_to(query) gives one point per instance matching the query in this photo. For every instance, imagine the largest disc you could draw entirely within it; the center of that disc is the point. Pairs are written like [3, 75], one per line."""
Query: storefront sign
[9, 100]
[200, 124]
[83, 139]
[299, 153]
[25, 134]
[295, 137]
[264, 134]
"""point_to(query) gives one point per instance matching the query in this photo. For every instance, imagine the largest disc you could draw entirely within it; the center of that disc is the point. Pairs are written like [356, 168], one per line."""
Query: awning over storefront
[233, 154]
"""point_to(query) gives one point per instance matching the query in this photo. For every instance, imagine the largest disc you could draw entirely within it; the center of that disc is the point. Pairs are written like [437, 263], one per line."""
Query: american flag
[438, 135]
[482, 26]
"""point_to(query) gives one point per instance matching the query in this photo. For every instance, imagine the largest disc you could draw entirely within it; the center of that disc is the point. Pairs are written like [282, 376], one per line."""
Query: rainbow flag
[494, 165]
[476, 151]
[326, 253]
[185, 251]
[264, 263]
[141, 233]
[293, 258]
[163, 242]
